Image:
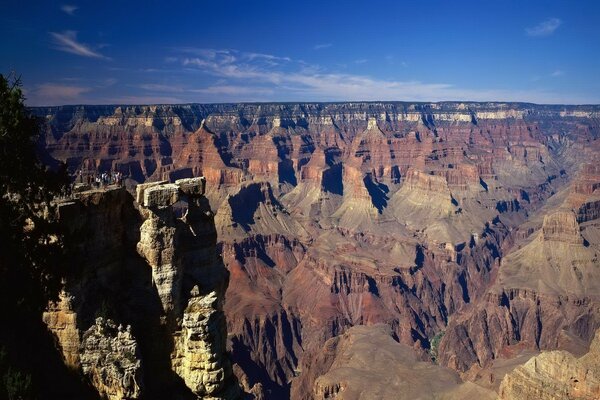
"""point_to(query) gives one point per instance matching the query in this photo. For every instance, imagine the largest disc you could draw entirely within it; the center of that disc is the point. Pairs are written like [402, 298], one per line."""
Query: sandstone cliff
[556, 375]
[366, 363]
[545, 295]
[141, 311]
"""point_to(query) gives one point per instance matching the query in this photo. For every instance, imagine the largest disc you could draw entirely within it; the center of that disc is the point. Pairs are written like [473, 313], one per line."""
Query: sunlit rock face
[142, 314]
[111, 359]
[190, 280]
[556, 375]
[479, 220]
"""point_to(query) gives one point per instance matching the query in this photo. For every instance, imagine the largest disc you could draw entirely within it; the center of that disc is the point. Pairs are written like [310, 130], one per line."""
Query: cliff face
[366, 363]
[477, 219]
[556, 375]
[155, 141]
[141, 312]
[546, 294]
[110, 358]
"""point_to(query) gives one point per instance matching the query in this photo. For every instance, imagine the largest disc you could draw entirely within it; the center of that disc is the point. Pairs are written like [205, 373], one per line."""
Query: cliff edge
[141, 312]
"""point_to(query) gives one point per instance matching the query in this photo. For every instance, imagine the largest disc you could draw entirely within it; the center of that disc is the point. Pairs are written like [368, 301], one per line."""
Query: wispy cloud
[361, 61]
[69, 9]
[219, 88]
[297, 81]
[142, 100]
[322, 46]
[54, 93]
[544, 28]
[108, 82]
[554, 74]
[67, 41]
[157, 87]
[47, 94]
[237, 76]
[246, 93]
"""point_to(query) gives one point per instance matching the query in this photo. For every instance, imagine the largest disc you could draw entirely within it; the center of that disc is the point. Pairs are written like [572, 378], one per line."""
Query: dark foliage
[31, 255]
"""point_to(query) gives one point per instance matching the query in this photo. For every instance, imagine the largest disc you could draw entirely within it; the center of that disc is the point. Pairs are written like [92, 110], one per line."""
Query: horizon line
[316, 102]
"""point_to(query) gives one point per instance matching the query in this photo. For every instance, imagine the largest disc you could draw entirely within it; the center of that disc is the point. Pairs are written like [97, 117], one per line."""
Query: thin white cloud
[322, 46]
[269, 57]
[67, 42]
[142, 100]
[219, 88]
[108, 82]
[244, 77]
[544, 28]
[239, 93]
[558, 72]
[296, 81]
[69, 9]
[53, 93]
[157, 87]
[361, 61]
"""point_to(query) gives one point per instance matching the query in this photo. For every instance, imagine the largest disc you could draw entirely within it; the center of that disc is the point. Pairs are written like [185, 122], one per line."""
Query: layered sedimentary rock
[427, 217]
[545, 296]
[190, 280]
[111, 358]
[133, 324]
[556, 375]
[62, 321]
[561, 226]
[366, 363]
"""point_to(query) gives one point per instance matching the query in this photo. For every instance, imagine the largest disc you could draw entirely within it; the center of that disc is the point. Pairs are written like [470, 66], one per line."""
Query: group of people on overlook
[100, 179]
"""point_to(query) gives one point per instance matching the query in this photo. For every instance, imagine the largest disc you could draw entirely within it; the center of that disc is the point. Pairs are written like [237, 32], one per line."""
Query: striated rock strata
[141, 313]
[426, 217]
[110, 357]
[556, 375]
[366, 363]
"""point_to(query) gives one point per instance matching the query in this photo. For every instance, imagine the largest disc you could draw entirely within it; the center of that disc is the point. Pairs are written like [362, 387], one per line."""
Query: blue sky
[106, 52]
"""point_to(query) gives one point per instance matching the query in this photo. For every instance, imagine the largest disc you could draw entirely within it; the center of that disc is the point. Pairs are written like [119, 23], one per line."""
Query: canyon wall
[556, 375]
[141, 312]
[435, 219]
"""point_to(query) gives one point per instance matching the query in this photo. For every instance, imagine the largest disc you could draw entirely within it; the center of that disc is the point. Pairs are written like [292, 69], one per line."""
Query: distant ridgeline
[190, 116]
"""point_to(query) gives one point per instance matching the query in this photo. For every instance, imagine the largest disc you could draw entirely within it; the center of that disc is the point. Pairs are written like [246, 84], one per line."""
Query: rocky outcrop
[556, 375]
[61, 320]
[144, 312]
[366, 363]
[589, 210]
[158, 236]
[199, 355]
[561, 226]
[110, 357]
[516, 319]
[191, 281]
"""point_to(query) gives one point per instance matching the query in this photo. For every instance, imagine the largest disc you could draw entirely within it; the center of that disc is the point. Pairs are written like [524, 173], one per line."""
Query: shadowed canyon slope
[470, 230]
